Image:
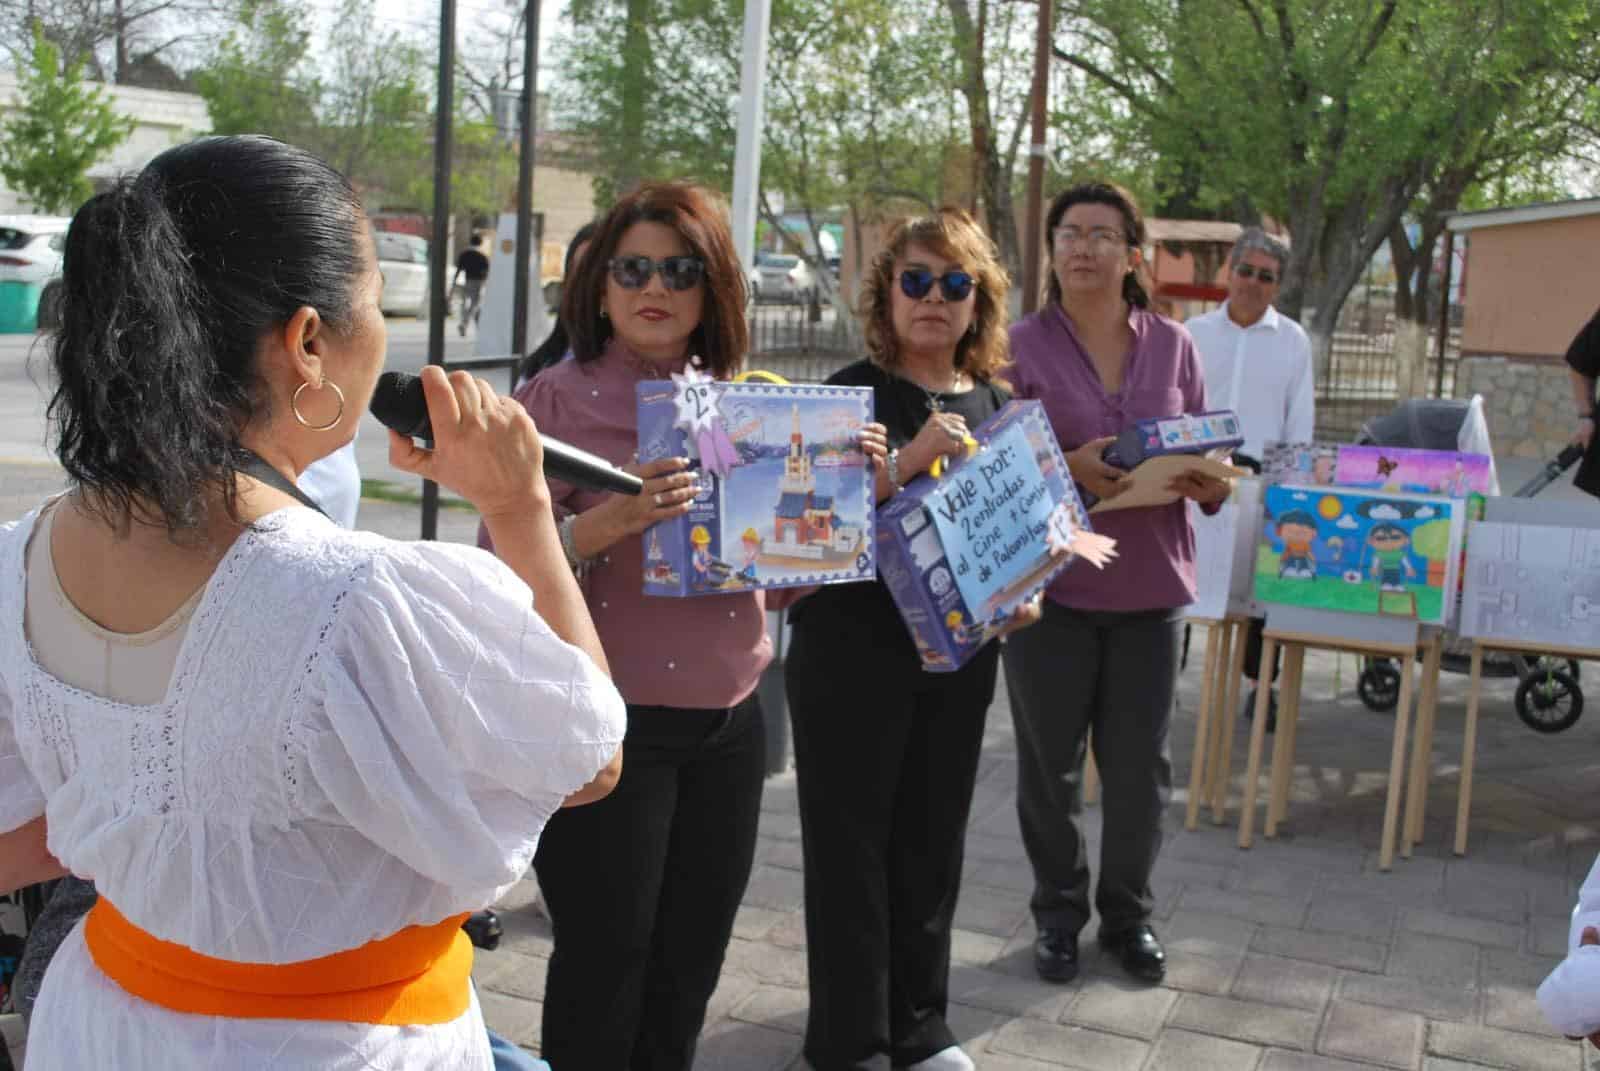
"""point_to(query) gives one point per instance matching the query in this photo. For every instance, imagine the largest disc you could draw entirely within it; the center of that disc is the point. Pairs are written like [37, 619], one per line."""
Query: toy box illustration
[962, 551]
[1355, 551]
[1214, 433]
[786, 491]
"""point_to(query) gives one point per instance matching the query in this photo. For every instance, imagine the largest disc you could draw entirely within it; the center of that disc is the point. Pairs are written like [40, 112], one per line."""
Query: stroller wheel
[1549, 701]
[1379, 685]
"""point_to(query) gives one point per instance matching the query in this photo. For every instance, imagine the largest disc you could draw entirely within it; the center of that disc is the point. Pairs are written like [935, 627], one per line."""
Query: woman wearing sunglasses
[885, 754]
[1106, 653]
[642, 895]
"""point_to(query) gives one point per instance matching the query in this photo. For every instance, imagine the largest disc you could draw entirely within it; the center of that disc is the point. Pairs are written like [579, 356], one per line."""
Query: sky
[422, 17]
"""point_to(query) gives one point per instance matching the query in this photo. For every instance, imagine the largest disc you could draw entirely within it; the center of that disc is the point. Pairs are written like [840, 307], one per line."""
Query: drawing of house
[802, 517]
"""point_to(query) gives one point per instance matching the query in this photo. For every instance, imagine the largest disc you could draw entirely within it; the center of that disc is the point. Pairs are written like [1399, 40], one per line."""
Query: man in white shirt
[1257, 362]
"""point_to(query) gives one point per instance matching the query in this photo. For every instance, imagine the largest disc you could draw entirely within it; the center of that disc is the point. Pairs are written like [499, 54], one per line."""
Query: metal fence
[800, 343]
[1362, 379]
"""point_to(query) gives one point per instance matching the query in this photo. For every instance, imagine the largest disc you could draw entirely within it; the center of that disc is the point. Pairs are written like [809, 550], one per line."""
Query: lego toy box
[1212, 434]
[786, 491]
[962, 551]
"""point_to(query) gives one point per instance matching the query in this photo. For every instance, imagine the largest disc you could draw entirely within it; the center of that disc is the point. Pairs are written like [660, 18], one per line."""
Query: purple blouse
[1154, 568]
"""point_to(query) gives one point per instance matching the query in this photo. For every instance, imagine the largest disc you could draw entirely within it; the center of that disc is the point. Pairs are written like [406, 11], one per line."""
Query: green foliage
[1432, 540]
[60, 129]
[256, 81]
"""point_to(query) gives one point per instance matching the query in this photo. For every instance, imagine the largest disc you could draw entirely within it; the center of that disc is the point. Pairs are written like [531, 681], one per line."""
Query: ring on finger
[658, 498]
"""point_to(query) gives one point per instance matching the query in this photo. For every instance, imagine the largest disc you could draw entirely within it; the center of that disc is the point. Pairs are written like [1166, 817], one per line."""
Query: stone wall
[1528, 403]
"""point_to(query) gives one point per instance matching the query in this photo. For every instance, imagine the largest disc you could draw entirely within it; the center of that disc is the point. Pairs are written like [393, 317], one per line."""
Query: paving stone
[779, 1007]
[1247, 1020]
[1427, 999]
[1070, 1046]
[1434, 959]
[975, 949]
[1189, 872]
[1376, 1035]
[753, 923]
[1272, 878]
[1279, 1060]
[973, 1027]
[1254, 907]
[1120, 1007]
[1197, 933]
[1010, 875]
[993, 1061]
[790, 932]
[992, 911]
[1179, 1050]
[1007, 993]
[1372, 920]
[1202, 974]
[513, 1018]
[1502, 1048]
[776, 889]
[1515, 1008]
[1461, 928]
[1351, 953]
[786, 854]
[732, 990]
[1548, 935]
[1514, 968]
[520, 976]
[1286, 982]
[735, 1046]
[763, 962]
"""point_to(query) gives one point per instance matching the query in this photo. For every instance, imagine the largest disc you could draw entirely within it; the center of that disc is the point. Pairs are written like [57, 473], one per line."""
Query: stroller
[1549, 698]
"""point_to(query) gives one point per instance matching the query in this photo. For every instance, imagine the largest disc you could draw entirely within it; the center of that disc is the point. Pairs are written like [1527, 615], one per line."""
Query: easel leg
[1469, 750]
[1222, 769]
[1294, 661]
[1202, 730]
[1397, 763]
[1258, 734]
[1219, 696]
[1422, 749]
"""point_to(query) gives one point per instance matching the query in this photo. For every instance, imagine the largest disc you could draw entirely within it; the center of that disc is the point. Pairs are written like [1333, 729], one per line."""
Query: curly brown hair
[956, 236]
[723, 336]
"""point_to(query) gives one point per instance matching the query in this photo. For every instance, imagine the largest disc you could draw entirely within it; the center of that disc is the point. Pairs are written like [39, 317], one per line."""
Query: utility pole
[439, 253]
[747, 150]
[1033, 256]
[530, 89]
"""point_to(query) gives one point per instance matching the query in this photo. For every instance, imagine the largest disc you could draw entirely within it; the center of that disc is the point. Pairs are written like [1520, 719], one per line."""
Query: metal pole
[439, 255]
[1034, 255]
[1444, 308]
[530, 89]
[747, 150]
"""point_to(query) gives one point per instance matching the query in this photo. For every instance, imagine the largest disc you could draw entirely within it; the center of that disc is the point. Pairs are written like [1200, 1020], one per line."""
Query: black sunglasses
[1250, 271]
[677, 273]
[916, 282]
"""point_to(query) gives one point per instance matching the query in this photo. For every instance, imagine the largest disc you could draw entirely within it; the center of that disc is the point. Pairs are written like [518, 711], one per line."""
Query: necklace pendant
[935, 404]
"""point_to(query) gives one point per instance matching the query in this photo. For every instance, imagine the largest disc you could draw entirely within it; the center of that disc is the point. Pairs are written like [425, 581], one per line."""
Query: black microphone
[398, 403]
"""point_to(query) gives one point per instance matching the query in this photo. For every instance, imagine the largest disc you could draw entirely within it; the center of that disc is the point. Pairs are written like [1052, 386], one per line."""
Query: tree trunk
[636, 60]
[995, 182]
[122, 42]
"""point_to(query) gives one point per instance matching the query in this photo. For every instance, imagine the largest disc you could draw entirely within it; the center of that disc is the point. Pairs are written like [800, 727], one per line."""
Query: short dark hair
[170, 279]
[722, 336]
[1100, 193]
[476, 239]
[1296, 516]
[1388, 528]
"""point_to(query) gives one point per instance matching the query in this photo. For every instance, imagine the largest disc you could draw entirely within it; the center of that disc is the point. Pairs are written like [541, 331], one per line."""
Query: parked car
[784, 277]
[31, 249]
[403, 261]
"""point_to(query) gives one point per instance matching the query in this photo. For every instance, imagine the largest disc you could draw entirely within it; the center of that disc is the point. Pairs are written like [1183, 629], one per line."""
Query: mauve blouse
[705, 652]
[1154, 568]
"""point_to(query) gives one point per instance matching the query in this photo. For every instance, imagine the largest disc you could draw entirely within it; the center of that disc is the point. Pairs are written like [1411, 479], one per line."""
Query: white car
[31, 249]
[783, 277]
[403, 262]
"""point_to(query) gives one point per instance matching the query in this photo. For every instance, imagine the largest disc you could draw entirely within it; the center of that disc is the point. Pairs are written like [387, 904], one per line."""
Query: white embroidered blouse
[359, 735]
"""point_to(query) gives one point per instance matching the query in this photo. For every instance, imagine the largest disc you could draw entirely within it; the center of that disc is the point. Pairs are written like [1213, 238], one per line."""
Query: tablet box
[1215, 432]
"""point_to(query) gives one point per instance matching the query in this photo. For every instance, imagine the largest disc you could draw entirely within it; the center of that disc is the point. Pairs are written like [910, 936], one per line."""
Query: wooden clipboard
[1148, 482]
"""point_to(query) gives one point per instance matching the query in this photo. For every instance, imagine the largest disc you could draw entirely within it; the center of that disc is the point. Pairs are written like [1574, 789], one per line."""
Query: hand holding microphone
[468, 420]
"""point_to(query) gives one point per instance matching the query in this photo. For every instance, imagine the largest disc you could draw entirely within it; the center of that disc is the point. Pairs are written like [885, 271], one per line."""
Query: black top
[473, 264]
[1583, 357]
[862, 618]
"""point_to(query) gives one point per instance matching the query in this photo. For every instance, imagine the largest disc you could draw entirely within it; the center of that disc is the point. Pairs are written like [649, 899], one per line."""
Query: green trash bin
[19, 307]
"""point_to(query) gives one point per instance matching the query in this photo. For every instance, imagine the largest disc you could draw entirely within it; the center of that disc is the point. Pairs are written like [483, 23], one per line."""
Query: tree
[61, 128]
[256, 80]
[1333, 118]
[122, 41]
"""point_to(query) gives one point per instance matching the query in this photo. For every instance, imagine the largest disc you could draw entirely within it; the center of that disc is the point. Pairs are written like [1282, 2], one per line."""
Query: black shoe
[483, 929]
[1272, 709]
[1055, 954]
[1140, 952]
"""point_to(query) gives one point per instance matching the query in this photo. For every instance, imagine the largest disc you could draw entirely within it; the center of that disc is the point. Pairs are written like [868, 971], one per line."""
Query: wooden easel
[1469, 740]
[1213, 734]
[1295, 644]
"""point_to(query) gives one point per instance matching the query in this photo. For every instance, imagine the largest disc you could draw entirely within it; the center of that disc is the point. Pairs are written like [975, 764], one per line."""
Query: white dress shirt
[1261, 372]
[1570, 997]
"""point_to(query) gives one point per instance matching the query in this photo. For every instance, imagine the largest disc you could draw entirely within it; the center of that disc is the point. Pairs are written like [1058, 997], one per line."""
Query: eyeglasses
[1100, 241]
[677, 273]
[1249, 271]
[955, 285]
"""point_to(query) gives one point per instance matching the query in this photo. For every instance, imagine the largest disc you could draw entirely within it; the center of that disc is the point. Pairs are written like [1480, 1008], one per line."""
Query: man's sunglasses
[1249, 271]
[956, 285]
[677, 273]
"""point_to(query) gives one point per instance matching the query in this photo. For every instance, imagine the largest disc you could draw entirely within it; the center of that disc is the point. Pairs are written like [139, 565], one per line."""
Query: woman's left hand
[1200, 487]
[875, 444]
[1027, 614]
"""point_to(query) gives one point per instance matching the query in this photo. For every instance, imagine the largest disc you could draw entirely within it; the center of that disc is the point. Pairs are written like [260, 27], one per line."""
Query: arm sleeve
[1583, 356]
[21, 798]
[1570, 996]
[453, 721]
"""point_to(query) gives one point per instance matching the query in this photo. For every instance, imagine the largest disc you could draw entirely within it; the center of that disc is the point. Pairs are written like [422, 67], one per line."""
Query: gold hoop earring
[294, 406]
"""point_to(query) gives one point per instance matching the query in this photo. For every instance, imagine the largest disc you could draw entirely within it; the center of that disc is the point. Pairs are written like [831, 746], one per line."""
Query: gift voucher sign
[993, 518]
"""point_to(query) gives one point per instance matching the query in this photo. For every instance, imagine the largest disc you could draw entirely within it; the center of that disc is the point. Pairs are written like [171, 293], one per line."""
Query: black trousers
[643, 886]
[1252, 651]
[1117, 674]
[886, 757]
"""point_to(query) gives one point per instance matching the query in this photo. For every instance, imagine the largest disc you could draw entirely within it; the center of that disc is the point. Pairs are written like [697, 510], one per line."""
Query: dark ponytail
[170, 281]
[556, 344]
[1101, 193]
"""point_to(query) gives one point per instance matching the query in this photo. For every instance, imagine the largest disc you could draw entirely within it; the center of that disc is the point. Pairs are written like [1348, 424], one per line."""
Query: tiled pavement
[1297, 955]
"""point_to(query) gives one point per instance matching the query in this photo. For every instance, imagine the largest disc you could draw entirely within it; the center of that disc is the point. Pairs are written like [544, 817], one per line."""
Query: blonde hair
[953, 234]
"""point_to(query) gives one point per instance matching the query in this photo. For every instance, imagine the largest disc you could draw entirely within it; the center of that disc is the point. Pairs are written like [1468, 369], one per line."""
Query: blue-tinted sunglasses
[956, 285]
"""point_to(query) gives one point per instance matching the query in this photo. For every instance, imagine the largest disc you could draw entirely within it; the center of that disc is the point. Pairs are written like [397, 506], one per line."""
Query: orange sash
[419, 976]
